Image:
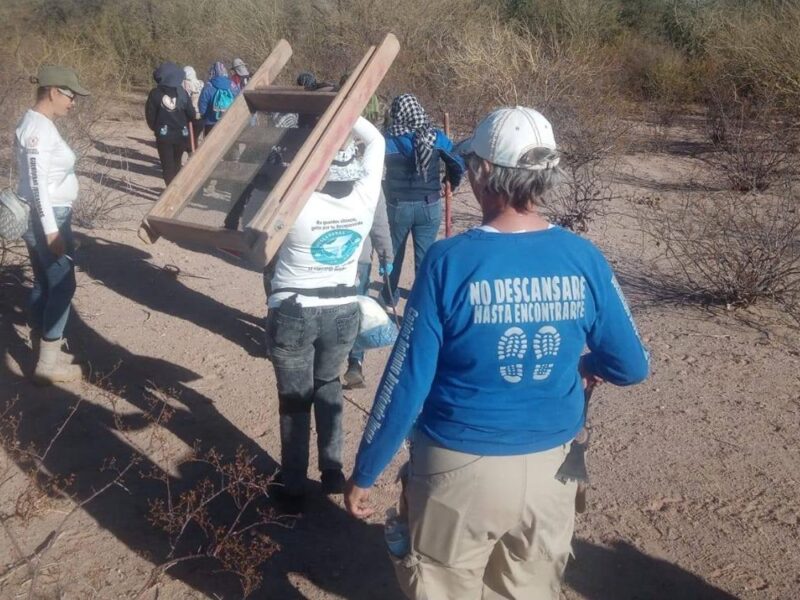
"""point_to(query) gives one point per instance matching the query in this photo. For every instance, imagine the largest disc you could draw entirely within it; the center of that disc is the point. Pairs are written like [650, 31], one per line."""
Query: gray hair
[524, 188]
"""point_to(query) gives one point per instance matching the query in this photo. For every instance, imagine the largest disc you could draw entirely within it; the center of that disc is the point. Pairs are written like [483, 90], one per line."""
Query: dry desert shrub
[239, 543]
[100, 198]
[755, 143]
[659, 76]
[732, 249]
[595, 21]
[36, 491]
[220, 517]
[756, 47]
[570, 82]
[426, 31]
[581, 197]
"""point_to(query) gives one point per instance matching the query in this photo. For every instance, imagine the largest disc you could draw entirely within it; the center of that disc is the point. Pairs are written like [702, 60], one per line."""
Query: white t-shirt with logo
[324, 244]
[46, 167]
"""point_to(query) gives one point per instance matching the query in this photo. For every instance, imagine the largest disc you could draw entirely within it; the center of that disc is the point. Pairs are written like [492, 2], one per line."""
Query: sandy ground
[694, 473]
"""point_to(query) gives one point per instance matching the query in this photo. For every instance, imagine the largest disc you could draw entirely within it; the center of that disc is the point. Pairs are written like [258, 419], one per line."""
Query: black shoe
[288, 504]
[291, 504]
[354, 376]
[333, 481]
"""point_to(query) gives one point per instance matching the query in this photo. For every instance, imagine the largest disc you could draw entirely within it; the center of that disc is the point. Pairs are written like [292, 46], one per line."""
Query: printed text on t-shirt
[528, 299]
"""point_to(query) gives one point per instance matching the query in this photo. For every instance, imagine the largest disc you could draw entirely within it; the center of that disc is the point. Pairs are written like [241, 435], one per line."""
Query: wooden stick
[189, 179]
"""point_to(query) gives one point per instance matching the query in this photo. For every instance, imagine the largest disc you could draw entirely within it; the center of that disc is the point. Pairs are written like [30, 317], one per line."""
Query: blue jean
[421, 220]
[53, 277]
[362, 287]
[308, 347]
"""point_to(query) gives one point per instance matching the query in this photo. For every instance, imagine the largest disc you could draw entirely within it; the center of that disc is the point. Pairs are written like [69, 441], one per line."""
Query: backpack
[222, 102]
[14, 211]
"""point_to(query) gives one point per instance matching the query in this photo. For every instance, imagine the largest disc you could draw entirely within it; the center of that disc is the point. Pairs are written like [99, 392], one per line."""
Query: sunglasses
[68, 93]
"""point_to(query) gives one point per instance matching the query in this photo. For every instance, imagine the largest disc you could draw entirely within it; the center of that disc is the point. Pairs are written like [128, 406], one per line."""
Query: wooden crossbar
[294, 100]
[222, 137]
[218, 237]
[239, 172]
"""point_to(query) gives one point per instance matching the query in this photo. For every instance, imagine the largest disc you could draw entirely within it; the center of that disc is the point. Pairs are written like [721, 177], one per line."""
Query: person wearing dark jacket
[168, 112]
[218, 81]
[413, 189]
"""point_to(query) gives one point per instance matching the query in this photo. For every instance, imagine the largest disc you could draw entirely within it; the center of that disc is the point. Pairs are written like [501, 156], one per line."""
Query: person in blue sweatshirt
[217, 95]
[415, 151]
[488, 376]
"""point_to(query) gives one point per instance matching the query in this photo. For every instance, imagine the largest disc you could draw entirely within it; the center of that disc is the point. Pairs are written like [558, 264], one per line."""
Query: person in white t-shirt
[313, 313]
[47, 180]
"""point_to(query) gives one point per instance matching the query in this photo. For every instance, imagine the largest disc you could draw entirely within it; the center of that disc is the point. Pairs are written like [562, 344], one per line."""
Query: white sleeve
[37, 146]
[375, 148]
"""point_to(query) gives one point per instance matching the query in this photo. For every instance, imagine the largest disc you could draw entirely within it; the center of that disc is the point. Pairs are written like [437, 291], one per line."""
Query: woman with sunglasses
[47, 180]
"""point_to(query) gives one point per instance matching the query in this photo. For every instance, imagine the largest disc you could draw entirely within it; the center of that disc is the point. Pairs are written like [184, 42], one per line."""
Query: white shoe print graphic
[512, 346]
[545, 346]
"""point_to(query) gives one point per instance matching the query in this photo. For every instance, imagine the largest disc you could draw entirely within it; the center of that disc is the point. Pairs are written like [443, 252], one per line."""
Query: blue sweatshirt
[206, 101]
[487, 358]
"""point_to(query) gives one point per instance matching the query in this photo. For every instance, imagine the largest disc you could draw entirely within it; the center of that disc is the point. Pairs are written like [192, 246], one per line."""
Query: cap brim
[81, 91]
[464, 147]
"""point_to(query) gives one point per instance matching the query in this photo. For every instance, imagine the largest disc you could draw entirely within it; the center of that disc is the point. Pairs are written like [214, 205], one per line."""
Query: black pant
[170, 154]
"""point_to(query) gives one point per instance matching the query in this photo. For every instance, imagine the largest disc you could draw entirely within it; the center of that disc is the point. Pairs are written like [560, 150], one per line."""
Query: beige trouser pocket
[409, 575]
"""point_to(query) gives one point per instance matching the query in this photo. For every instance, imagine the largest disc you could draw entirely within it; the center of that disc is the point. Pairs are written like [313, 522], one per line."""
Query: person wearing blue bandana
[487, 377]
[313, 312]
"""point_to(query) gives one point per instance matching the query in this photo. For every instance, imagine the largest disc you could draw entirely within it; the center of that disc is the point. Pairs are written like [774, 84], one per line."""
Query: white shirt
[46, 167]
[323, 245]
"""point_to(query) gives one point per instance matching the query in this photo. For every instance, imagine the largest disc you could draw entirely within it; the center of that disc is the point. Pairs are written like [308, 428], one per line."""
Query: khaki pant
[486, 527]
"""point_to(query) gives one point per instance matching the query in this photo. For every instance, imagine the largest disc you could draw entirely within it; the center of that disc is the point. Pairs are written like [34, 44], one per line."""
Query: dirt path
[694, 494]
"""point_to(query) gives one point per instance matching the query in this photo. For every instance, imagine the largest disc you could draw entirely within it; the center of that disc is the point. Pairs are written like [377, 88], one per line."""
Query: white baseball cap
[346, 165]
[504, 137]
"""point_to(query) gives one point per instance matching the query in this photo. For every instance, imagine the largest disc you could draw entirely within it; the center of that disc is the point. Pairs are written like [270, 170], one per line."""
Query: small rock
[756, 584]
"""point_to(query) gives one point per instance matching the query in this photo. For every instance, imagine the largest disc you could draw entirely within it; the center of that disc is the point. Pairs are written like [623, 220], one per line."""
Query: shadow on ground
[623, 572]
[126, 270]
[335, 553]
[327, 547]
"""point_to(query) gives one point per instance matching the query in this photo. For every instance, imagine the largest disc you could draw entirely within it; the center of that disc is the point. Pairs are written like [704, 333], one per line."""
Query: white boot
[53, 366]
[65, 357]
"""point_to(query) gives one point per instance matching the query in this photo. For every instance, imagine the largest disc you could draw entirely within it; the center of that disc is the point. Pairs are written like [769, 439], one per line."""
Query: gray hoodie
[379, 236]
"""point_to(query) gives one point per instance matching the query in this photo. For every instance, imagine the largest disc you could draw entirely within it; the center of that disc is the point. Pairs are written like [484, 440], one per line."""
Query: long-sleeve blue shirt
[487, 358]
[403, 183]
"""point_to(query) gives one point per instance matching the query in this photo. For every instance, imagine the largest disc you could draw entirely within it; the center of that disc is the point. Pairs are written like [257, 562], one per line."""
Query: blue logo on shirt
[335, 247]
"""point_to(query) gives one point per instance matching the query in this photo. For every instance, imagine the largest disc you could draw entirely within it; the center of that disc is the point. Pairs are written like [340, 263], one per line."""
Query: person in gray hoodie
[379, 240]
[168, 112]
